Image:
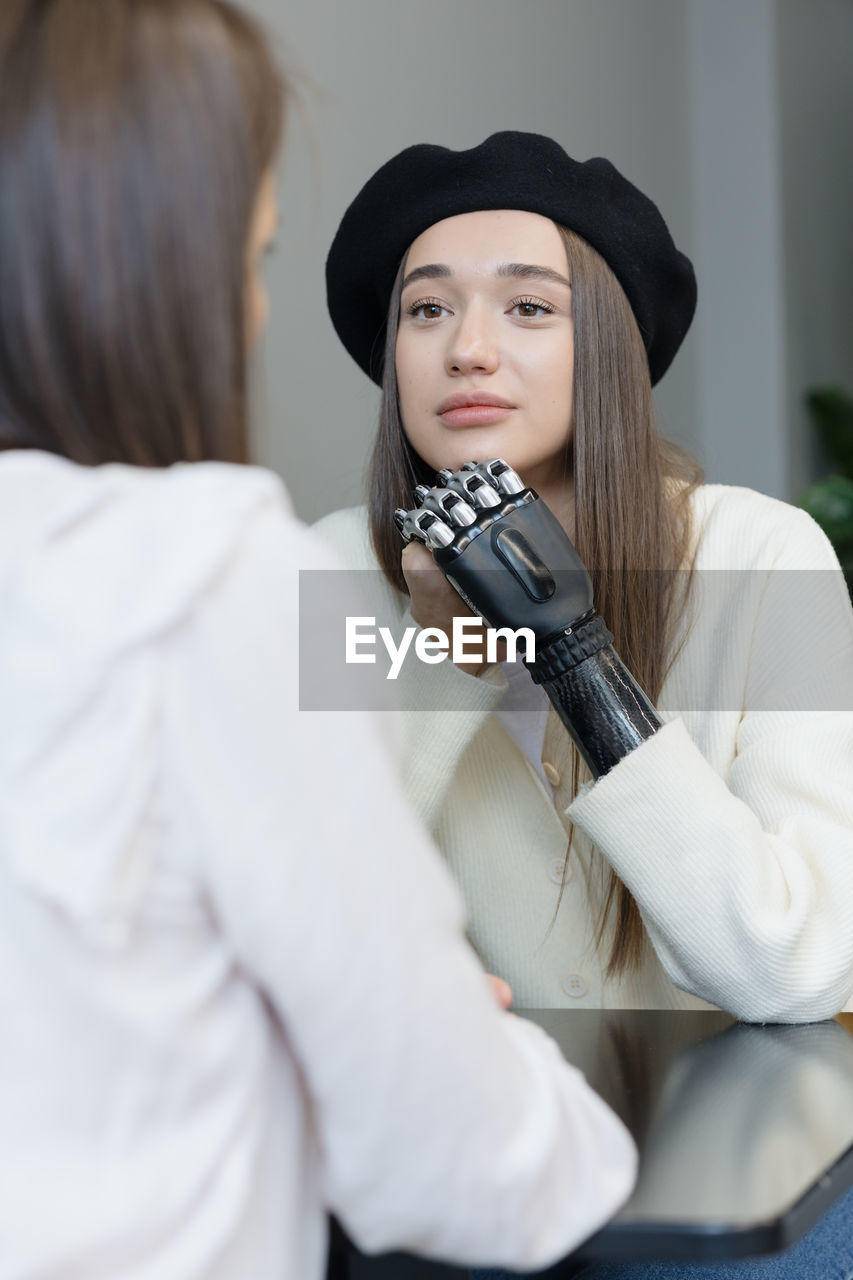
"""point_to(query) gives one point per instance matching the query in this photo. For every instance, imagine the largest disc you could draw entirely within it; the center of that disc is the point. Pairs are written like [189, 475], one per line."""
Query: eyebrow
[507, 270]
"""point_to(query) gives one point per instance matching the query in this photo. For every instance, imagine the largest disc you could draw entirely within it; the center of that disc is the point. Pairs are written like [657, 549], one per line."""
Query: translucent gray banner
[746, 641]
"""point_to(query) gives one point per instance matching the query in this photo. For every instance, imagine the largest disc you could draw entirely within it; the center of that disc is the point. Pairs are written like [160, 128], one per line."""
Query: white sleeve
[745, 882]
[445, 1126]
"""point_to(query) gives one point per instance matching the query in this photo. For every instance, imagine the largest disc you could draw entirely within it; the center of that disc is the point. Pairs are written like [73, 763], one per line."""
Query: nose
[472, 346]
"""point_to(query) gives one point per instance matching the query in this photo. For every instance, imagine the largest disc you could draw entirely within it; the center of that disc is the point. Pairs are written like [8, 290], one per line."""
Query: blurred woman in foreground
[234, 992]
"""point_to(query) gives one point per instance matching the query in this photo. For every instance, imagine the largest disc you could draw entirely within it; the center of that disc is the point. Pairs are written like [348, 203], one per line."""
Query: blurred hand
[501, 990]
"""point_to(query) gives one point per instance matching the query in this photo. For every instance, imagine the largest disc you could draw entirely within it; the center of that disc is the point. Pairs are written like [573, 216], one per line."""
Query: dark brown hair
[133, 138]
[631, 495]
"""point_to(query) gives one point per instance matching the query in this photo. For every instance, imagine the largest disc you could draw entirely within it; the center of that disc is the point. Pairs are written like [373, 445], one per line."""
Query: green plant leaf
[830, 503]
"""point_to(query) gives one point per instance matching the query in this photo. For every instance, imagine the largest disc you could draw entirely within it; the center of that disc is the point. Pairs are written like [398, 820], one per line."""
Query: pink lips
[473, 409]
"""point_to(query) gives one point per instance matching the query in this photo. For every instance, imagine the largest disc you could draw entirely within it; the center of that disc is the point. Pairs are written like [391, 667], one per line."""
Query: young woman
[531, 301]
[514, 303]
[233, 994]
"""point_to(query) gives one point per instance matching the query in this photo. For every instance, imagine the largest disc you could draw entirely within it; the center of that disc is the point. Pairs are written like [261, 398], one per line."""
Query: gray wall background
[736, 116]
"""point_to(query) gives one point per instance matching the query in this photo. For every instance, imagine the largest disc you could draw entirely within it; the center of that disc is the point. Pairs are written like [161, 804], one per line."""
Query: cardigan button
[552, 774]
[574, 985]
[555, 871]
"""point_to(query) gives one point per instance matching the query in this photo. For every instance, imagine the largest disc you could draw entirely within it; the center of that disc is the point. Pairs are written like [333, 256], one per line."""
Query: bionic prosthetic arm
[508, 557]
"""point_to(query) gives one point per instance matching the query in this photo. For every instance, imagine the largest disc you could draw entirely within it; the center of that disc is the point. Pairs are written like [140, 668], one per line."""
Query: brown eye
[426, 309]
[531, 308]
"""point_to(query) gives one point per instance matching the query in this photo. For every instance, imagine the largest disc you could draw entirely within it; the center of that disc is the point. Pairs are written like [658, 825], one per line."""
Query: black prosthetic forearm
[598, 700]
[511, 561]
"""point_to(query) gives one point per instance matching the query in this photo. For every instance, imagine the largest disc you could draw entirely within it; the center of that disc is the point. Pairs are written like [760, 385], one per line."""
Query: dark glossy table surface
[745, 1132]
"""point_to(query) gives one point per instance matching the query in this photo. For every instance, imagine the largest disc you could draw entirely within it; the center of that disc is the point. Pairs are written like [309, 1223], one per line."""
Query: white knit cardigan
[732, 826]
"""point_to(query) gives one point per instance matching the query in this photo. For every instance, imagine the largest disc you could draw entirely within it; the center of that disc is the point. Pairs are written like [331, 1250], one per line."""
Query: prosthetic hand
[508, 557]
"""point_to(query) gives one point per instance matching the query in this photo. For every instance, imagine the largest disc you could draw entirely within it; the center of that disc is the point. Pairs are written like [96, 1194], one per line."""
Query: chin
[473, 446]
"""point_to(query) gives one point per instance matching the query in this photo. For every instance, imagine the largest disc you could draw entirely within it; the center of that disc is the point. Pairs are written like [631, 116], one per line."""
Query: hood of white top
[98, 565]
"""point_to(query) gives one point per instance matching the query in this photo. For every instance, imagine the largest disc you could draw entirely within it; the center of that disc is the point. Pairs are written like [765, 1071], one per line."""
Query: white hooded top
[234, 986]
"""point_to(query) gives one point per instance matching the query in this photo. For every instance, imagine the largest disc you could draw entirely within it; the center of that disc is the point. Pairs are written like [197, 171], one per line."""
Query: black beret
[425, 184]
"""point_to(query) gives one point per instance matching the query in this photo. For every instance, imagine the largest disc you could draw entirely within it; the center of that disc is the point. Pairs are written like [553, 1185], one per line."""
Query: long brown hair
[133, 138]
[631, 495]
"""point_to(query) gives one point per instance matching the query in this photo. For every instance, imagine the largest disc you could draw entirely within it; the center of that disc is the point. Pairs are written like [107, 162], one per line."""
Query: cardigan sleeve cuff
[674, 833]
[662, 786]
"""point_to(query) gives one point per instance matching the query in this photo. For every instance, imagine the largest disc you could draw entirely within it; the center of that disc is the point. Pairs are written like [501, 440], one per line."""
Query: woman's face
[485, 348]
[262, 234]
